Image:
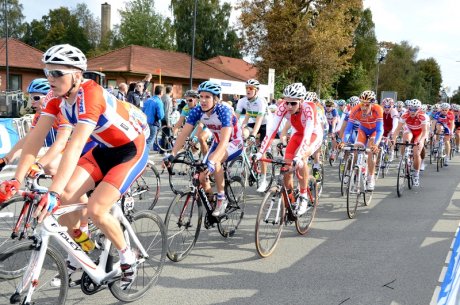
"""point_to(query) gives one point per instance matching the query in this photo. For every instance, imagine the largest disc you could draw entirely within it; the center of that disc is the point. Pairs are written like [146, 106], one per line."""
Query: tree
[15, 17]
[431, 79]
[141, 25]
[90, 24]
[455, 99]
[213, 35]
[361, 74]
[308, 41]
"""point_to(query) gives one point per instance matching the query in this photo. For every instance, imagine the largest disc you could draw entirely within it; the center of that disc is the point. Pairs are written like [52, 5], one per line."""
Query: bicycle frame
[51, 228]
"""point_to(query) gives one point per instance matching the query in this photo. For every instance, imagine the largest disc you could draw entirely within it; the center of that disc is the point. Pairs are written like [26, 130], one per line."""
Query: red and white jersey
[414, 123]
[305, 122]
[115, 122]
[389, 119]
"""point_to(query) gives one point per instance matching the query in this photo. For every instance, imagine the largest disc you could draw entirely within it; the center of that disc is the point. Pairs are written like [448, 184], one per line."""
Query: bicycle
[405, 174]
[383, 158]
[148, 244]
[185, 213]
[357, 183]
[165, 138]
[272, 213]
[439, 152]
[245, 165]
[145, 191]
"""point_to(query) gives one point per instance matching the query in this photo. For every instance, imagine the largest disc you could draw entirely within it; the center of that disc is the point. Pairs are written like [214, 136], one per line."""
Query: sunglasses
[365, 105]
[57, 73]
[36, 97]
[292, 103]
[413, 109]
[189, 101]
[250, 88]
[387, 107]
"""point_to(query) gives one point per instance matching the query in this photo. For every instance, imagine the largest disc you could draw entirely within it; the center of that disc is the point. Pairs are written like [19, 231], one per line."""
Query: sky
[430, 25]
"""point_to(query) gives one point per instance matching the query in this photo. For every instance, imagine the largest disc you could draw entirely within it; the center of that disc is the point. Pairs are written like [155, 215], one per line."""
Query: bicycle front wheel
[183, 224]
[165, 139]
[149, 229]
[180, 173]
[353, 191]
[52, 285]
[401, 178]
[269, 223]
[146, 189]
[236, 195]
[303, 222]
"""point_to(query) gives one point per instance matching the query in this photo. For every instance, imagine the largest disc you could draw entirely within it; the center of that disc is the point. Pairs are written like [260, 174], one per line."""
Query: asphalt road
[393, 253]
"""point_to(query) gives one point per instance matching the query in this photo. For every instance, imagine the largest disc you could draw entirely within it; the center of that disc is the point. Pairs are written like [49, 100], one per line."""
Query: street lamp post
[380, 58]
[5, 12]
[193, 45]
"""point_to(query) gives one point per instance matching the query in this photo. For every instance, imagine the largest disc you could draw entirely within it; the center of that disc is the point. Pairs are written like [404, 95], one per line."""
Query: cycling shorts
[296, 140]
[416, 134]
[119, 166]
[364, 136]
[234, 149]
[262, 130]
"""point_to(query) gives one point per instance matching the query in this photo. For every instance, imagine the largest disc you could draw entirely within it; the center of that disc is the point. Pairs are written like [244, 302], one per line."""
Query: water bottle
[83, 240]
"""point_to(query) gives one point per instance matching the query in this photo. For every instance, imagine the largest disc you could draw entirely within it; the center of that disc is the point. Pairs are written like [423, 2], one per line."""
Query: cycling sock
[126, 256]
[316, 165]
[263, 177]
[303, 191]
[220, 196]
[85, 229]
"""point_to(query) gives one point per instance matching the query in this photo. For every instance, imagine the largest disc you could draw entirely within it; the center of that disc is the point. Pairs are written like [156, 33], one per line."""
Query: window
[112, 82]
[15, 82]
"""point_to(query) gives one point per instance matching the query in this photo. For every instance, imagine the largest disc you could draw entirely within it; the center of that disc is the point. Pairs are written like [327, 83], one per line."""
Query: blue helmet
[341, 102]
[210, 87]
[39, 85]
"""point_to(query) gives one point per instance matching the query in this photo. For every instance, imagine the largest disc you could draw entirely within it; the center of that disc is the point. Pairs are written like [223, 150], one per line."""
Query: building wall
[26, 77]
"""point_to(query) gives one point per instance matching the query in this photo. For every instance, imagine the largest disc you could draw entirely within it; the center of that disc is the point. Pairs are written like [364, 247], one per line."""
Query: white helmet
[400, 104]
[368, 96]
[388, 101]
[455, 107]
[67, 55]
[424, 107]
[409, 103]
[253, 83]
[416, 103]
[311, 96]
[445, 106]
[296, 90]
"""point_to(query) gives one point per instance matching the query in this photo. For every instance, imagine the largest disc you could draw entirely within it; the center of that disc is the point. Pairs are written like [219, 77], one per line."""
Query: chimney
[105, 20]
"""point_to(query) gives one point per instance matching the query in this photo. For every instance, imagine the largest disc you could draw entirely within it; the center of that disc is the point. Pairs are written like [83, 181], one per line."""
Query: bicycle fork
[277, 218]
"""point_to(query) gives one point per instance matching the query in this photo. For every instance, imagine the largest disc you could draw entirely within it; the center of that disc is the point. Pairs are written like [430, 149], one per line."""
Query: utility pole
[380, 58]
[193, 45]
[5, 16]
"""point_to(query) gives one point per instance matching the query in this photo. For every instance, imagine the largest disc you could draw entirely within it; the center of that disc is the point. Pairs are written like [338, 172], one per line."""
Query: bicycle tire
[346, 173]
[151, 233]
[352, 205]
[165, 139]
[409, 176]
[269, 222]
[182, 235]
[146, 188]
[52, 274]
[180, 173]
[238, 168]
[234, 213]
[341, 169]
[400, 179]
[304, 221]
[439, 162]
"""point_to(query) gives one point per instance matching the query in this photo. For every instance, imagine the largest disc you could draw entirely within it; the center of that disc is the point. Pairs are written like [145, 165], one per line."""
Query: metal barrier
[450, 288]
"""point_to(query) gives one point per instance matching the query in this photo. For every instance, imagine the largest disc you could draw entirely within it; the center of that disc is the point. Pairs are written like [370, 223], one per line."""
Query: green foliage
[141, 25]
[15, 19]
[456, 97]
[213, 34]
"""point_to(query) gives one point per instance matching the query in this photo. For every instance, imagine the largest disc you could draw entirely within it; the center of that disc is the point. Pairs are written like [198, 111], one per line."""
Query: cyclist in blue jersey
[228, 142]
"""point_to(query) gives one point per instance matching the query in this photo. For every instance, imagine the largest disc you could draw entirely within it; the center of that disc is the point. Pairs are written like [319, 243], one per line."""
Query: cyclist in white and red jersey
[305, 140]
[228, 141]
[390, 121]
[415, 131]
[118, 159]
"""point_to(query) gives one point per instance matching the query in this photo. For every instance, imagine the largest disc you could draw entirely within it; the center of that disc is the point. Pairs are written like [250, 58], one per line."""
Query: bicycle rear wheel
[345, 176]
[401, 178]
[238, 168]
[149, 229]
[181, 173]
[353, 193]
[165, 139]
[183, 224]
[236, 195]
[49, 289]
[269, 223]
[146, 189]
[303, 222]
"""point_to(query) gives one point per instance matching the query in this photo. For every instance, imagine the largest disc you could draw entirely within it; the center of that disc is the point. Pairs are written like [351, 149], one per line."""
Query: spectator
[122, 91]
[135, 97]
[153, 109]
[234, 100]
[146, 82]
[167, 104]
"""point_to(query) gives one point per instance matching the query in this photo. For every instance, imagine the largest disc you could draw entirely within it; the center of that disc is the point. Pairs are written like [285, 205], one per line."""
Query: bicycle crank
[88, 286]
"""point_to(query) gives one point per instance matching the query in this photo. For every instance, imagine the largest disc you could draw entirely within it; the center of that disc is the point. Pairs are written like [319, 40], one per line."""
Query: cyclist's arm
[180, 141]
[32, 144]
[283, 135]
[272, 128]
[58, 146]
[245, 121]
[379, 132]
[310, 116]
[257, 124]
[16, 151]
[71, 155]
[218, 154]
[347, 132]
[179, 123]
[398, 128]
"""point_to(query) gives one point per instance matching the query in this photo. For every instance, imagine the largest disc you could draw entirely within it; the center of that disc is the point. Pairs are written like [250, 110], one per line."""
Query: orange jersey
[366, 121]
[115, 122]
